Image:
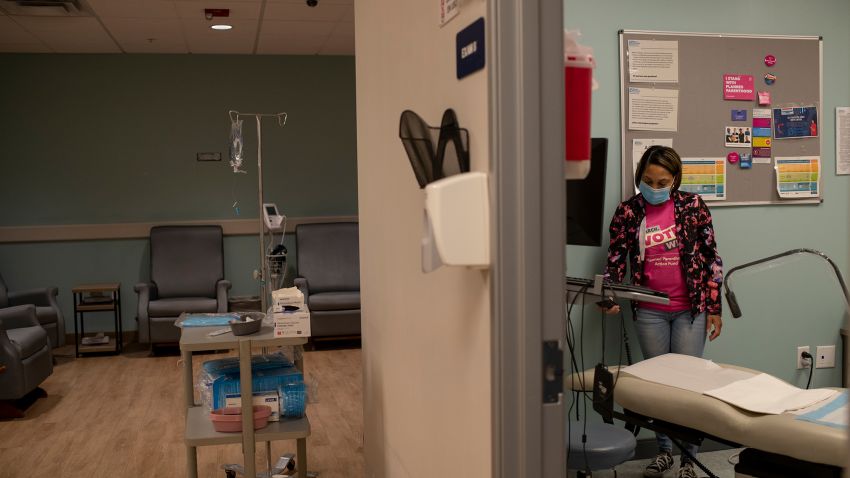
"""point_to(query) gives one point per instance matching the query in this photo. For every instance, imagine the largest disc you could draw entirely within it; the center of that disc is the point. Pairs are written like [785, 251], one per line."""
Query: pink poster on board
[738, 87]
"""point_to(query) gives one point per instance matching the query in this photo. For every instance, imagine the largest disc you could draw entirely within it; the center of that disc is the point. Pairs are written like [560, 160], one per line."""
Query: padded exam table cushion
[781, 434]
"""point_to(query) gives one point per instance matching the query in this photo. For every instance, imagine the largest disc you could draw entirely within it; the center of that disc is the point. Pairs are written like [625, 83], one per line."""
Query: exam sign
[738, 87]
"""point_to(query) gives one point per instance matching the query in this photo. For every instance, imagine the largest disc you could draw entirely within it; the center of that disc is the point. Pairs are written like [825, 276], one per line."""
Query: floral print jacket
[698, 254]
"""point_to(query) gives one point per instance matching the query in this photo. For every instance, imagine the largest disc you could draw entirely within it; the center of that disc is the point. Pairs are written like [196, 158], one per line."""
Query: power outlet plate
[801, 362]
[825, 357]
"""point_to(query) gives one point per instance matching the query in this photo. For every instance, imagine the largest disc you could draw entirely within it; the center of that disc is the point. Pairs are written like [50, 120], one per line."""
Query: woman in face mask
[667, 239]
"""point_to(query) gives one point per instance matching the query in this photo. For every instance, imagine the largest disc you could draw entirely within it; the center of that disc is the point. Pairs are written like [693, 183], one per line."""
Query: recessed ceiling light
[221, 27]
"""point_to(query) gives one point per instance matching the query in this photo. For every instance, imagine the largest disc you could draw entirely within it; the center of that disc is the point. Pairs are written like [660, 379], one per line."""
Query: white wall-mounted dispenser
[457, 222]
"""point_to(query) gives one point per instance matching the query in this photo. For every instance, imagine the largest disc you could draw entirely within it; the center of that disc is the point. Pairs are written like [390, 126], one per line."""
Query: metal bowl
[243, 326]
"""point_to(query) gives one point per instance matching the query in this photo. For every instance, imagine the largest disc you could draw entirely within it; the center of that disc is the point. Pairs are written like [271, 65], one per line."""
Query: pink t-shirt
[662, 269]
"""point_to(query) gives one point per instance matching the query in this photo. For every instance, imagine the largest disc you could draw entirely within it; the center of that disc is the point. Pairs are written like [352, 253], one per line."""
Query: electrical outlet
[801, 362]
[825, 357]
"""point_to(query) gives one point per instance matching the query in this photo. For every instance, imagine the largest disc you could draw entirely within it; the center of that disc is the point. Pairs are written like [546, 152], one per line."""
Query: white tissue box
[260, 398]
[287, 296]
[292, 324]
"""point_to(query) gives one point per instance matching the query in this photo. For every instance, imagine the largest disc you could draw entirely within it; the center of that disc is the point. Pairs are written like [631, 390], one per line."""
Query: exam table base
[761, 464]
[751, 463]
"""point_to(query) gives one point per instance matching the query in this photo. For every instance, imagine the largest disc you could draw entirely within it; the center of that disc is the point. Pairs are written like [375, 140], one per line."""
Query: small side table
[111, 302]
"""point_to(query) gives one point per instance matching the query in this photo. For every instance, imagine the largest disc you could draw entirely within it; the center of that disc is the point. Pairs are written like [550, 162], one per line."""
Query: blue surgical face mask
[654, 196]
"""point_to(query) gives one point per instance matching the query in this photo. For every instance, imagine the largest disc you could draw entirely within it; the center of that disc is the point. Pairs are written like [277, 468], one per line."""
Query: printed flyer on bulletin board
[795, 122]
[704, 176]
[797, 177]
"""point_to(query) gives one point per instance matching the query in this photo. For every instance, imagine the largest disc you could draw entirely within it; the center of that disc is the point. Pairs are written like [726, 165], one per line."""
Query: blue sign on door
[470, 48]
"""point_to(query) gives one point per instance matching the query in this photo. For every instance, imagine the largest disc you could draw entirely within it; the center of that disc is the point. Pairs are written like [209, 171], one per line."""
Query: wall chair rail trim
[141, 230]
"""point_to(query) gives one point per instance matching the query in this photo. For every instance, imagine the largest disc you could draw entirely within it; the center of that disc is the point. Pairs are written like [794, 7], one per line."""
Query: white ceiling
[265, 27]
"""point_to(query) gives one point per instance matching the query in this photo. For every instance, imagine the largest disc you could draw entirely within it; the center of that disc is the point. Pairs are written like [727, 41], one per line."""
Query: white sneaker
[662, 462]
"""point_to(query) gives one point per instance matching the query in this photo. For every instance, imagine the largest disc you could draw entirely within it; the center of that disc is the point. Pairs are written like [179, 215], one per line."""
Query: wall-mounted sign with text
[470, 48]
[448, 10]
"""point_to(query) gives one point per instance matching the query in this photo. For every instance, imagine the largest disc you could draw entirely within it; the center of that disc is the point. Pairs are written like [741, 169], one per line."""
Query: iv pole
[264, 268]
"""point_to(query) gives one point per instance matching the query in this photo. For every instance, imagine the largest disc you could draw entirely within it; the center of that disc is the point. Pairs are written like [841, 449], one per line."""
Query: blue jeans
[670, 332]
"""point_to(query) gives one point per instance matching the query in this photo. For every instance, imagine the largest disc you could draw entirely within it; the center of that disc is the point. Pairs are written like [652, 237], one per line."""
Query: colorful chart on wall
[728, 112]
[704, 176]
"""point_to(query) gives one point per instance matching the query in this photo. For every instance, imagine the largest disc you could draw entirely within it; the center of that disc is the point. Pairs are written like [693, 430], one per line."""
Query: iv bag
[236, 146]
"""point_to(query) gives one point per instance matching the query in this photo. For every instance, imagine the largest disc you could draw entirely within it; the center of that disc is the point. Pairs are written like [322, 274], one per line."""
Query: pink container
[230, 419]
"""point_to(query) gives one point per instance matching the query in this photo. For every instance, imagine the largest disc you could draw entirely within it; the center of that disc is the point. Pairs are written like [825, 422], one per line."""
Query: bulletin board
[708, 72]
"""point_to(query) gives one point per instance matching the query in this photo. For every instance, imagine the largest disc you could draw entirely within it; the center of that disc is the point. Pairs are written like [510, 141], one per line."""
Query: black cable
[570, 334]
[692, 458]
[584, 423]
[581, 342]
[603, 339]
[625, 342]
[570, 340]
[808, 356]
[625, 335]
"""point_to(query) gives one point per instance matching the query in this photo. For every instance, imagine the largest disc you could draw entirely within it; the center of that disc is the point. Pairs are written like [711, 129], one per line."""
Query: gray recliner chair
[187, 275]
[328, 258]
[46, 309]
[25, 352]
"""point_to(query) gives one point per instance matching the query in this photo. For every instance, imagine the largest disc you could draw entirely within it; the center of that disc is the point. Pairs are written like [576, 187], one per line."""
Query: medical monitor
[586, 200]
[272, 217]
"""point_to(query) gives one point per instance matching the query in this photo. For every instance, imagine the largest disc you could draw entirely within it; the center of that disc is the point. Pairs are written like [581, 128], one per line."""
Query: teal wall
[798, 303]
[99, 139]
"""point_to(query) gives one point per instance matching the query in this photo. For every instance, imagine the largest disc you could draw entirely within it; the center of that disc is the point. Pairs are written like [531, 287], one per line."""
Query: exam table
[779, 443]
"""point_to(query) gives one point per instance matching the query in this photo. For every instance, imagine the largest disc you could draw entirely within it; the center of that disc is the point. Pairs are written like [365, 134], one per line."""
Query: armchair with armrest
[46, 309]
[187, 275]
[329, 276]
[25, 352]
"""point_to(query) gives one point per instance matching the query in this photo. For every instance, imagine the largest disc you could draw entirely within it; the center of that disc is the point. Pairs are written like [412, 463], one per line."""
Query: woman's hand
[609, 307]
[713, 324]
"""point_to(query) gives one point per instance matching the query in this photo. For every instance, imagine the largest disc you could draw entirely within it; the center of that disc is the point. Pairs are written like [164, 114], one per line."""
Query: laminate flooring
[123, 416]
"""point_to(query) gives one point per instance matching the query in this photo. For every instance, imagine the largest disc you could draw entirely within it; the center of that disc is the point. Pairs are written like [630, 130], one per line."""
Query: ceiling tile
[321, 2]
[293, 38]
[24, 48]
[85, 47]
[344, 29]
[338, 45]
[133, 8]
[155, 47]
[305, 46]
[301, 12]
[295, 29]
[194, 9]
[87, 27]
[165, 32]
[179, 26]
[349, 15]
[65, 34]
[202, 39]
[10, 31]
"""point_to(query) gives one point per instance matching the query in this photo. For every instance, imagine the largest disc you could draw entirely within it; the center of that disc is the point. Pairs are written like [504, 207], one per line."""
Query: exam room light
[730, 296]
[221, 27]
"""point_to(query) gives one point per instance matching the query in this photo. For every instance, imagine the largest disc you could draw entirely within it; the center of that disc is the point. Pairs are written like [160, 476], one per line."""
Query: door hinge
[553, 371]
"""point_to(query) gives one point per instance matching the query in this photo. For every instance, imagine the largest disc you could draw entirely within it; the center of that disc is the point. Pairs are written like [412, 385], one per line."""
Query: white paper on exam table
[832, 412]
[764, 393]
[686, 372]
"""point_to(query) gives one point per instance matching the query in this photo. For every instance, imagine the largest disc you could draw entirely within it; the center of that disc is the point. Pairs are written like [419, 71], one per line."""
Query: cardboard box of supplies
[260, 398]
[292, 324]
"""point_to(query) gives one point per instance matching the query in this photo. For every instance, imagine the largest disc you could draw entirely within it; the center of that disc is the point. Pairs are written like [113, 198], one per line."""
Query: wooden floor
[123, 416]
